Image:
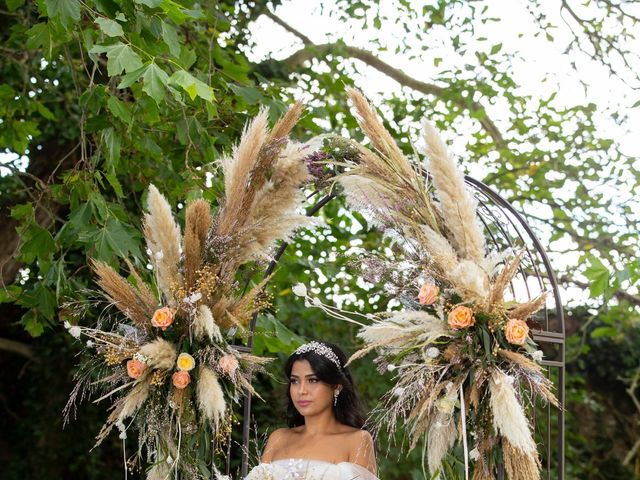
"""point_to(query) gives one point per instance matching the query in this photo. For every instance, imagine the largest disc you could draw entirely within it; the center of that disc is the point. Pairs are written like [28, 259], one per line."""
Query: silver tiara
[319, 349]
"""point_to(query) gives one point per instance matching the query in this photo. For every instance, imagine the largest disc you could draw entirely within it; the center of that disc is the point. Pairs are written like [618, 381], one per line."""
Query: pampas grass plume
[508, 415]
[373, 128]
[205, 326]
[457, 204]
[439, 248]
[197, 223]
[237, 169]
[132, 402]
[210, 396]
[283, 127]
[441, 437]
[160, 354]
[122, 294]
[159, 471]
[525, 310]
[163, 239]
[470, 280]
[519, 466]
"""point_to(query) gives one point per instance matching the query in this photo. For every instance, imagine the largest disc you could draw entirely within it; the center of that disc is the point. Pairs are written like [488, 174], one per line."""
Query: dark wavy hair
[348, 410]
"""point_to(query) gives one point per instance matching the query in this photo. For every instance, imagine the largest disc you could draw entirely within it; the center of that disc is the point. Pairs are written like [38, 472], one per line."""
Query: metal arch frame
[556, 338]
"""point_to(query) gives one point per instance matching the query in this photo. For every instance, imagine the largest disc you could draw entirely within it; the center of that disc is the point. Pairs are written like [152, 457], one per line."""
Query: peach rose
[162, 318]
[135, 368]
[181, 379]
[461, 317]
[228, 364]
[516, 331]
[428, 294]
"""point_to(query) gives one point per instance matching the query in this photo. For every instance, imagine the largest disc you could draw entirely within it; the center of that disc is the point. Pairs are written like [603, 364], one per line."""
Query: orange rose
[163, 317]
[135, 368]
[181, 379]
[461, 317]
[516, 331]
[228, 364]
[428, 294]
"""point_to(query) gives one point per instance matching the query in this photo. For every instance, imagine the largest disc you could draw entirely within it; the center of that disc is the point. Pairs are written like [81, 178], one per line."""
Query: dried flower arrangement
[466, 367]
[163, 355]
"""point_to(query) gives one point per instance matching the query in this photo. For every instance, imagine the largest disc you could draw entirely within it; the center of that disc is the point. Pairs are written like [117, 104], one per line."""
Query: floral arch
[485, 324]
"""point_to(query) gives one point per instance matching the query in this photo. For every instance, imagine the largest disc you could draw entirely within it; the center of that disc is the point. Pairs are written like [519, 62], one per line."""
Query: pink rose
[516, 331]
[228, 364]
[162, 318]
[135, 368]
[461, 317]
[428, 294]
[181, 379]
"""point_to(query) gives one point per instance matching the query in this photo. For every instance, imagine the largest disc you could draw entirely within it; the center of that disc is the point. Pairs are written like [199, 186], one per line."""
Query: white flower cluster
[74, 330]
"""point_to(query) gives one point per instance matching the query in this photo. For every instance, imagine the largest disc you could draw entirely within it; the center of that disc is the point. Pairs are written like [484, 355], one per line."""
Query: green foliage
[105, 97]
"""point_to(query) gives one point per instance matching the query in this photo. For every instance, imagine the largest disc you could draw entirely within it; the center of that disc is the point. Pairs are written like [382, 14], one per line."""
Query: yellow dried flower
[185, 362]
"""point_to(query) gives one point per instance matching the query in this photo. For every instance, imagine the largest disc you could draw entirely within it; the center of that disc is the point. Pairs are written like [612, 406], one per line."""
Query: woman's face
[310, 395]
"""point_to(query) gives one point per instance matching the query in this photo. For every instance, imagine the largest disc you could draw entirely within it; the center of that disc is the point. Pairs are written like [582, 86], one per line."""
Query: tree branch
[619, 294]
[312, 50]
[306, 40]
[16, 347]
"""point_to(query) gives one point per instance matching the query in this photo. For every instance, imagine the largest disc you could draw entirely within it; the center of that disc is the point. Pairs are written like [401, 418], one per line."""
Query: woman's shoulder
[357, 434]
[361, 449]
[278, 439]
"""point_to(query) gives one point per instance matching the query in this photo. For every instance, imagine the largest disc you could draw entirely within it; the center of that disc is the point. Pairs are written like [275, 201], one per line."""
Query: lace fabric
[302, 469]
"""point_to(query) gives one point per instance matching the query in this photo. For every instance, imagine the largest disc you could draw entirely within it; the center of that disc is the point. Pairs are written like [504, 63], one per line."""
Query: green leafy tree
[100, 98]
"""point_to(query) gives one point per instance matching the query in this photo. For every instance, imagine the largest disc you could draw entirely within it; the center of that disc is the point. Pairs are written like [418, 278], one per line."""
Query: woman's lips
[304, 403]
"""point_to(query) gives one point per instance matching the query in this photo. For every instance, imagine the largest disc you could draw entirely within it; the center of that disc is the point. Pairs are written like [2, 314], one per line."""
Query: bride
[325, 439]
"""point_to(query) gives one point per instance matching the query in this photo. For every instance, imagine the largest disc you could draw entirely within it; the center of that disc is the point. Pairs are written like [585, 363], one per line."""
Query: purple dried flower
[313, 161]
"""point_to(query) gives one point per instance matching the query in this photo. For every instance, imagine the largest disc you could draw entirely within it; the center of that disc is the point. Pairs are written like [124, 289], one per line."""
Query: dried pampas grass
[242, 309]
[525, 310]
[443, 433]
[498, 286]
[399, 329]
[204, 326]
[237, 169]
[126, 406]
[159, 471]
[284, 125]
[381, 139]
[508, 415]
[210, 396]
[143, 290]
[134, 304]
[260, 209]
[163, 237]
[197, 223]
[440, 250]
[519, 465]
[458, 206]
[272, 215]
[366, 195]
[470, 280]
[390, 169]
[520, 360]
[160, 354]
[132, 402]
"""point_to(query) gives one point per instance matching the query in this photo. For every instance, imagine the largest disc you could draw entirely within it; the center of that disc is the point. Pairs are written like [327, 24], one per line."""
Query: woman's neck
[321, 424]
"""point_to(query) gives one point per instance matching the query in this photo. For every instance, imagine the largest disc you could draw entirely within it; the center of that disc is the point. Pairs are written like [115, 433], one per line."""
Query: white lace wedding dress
[301, 469]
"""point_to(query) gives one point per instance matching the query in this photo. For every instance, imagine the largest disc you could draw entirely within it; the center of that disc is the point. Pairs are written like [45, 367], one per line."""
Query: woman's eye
[313, 380]
[293, 381]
